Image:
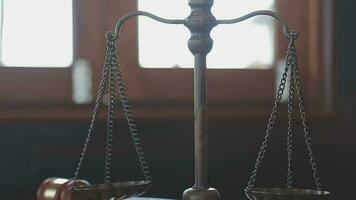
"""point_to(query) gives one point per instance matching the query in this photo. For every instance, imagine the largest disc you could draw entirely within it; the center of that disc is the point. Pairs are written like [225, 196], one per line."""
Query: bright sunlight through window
[248, 44]
[36, 33]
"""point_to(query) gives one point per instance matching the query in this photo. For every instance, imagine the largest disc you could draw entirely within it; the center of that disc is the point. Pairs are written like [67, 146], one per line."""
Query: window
[36, 55]
[252, 40]
[237, 86]
[36, 33]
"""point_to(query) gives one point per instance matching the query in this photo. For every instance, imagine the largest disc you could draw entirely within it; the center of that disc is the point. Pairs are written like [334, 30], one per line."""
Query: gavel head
[58, 189]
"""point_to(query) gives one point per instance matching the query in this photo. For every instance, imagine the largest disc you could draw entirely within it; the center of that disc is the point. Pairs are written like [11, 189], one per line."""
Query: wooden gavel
[58, 188]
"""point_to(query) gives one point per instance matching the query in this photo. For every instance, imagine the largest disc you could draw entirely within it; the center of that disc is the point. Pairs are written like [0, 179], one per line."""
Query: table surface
[147, 198]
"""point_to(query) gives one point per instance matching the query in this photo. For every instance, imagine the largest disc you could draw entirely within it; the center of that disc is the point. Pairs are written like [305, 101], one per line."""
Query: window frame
[234, 97]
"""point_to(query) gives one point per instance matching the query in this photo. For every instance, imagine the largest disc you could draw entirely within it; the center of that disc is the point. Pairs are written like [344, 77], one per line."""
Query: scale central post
[200, 22]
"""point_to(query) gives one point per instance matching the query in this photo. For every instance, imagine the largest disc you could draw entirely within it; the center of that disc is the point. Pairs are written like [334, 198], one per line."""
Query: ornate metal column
[200, 23]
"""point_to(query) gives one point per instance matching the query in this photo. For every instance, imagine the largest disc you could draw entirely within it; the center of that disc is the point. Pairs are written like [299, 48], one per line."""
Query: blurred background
[50, 62]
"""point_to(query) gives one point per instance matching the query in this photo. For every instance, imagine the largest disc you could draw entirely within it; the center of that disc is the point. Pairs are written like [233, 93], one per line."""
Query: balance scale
[200, 22]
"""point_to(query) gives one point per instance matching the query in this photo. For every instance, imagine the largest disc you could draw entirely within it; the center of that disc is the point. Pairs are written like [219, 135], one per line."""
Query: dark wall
[346, 41]
[33, 151]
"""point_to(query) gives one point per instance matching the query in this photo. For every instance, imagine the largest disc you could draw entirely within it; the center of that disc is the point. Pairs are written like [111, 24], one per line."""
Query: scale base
[201, 194]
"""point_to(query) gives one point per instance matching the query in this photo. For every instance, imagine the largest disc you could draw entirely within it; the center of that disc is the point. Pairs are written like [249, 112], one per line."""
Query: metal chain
[270, 127]
[289, 65]
[96, 109]
[304, 118]
[110, 115]
[128, 113]
[295, 82]
[290, 122]
[112, 73]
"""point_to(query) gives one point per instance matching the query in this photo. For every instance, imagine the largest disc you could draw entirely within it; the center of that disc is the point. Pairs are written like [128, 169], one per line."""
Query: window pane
[248, 44]
[37, 33]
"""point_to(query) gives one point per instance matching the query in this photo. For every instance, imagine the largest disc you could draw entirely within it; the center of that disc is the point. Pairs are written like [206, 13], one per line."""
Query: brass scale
[200, 22]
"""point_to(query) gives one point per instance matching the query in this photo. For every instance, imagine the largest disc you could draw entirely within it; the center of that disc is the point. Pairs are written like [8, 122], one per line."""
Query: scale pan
[287, 194]
[107, 191]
